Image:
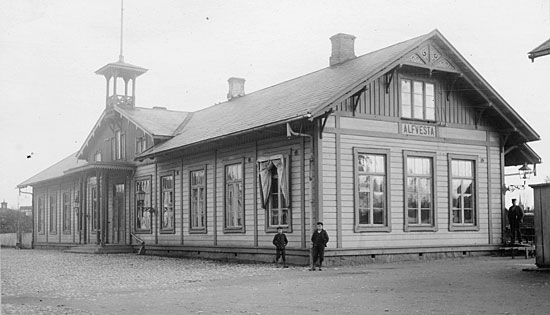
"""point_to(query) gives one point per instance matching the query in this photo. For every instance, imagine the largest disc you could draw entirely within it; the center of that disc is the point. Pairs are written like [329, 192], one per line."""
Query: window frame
[242, 227]
[408, 227]
[141, 144]
[41, 214]
[53, 213]
[269, 228]
[462, 226]
[424, 82]
[386, 227]
[160, 213]
[204, 228]
[94, 207]
[66, 215]
[150, 198]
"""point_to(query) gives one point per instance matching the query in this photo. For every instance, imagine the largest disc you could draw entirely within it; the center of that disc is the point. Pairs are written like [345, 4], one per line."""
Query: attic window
[417, 99]
[141, 144]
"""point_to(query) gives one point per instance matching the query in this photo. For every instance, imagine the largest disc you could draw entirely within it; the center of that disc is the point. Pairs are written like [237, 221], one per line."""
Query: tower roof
[121, 69]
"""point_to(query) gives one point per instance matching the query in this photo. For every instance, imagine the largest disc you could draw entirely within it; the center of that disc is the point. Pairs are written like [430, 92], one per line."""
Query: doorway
[116, 220]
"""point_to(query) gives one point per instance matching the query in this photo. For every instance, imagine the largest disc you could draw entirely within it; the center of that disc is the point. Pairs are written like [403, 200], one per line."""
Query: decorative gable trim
[429, 55]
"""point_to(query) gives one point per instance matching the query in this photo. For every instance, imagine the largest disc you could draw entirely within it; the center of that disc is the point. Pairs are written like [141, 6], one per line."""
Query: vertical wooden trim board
[489, 195]
[338, 162]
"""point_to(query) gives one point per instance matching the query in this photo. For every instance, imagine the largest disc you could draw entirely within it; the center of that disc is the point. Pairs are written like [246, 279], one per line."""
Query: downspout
[289, 134]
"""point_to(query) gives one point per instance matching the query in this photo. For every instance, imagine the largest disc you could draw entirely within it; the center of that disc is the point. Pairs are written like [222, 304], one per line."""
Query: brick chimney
[236, 88]
[342, 48]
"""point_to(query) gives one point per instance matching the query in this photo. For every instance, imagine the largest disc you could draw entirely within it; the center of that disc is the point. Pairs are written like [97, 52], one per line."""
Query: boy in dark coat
[319, 241]
[515, 216]
[280, 242]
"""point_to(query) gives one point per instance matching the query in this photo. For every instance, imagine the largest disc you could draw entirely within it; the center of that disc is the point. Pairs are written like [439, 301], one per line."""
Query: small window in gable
[417, 99]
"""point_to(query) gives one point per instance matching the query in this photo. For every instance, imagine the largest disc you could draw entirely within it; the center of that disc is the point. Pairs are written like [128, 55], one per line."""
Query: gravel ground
[52, 282]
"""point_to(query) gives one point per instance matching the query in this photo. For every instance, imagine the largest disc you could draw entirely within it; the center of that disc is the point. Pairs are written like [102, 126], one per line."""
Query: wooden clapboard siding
[496, 193]
[456, 109]
[396, 145]
[255, 226]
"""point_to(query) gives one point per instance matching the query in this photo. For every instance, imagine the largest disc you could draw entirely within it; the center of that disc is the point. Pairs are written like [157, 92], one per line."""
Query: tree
[11, 219]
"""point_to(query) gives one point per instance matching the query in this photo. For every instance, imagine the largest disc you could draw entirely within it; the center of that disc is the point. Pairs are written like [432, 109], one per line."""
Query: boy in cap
[319, 241]
[280, 242]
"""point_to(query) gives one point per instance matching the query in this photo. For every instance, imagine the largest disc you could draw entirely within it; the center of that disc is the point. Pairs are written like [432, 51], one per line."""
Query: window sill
[143, 232]
[171, 231]
[420, 228]
[458, 228]
[418, 120]
[235, 230]
[373, 228]
[273, 229]
[198, 231]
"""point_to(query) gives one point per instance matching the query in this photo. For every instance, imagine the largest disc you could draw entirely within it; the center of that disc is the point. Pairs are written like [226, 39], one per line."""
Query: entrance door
[116, 228]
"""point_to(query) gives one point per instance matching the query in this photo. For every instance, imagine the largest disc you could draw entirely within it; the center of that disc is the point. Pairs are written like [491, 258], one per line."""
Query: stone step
[98, 249]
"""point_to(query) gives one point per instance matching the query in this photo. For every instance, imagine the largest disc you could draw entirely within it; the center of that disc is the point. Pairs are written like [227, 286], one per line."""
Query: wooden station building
[399, 152]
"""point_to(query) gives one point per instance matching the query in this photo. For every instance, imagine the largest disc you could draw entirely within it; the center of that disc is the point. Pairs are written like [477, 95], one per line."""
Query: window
[419, 191]
[274, 190]
[371, 190]
[167, 209]
[118, 147]
[97, 156]
[417, 99]
[141, 144]
[95, 208]
[463, 192]
[53, 214]
[197, 199]
[143, 216]
[234, 208]
[66, 212]
[41, 221]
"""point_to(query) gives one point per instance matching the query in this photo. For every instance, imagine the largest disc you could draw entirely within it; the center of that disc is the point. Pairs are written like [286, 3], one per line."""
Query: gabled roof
[315, 93]
[156, 122]
[55, 171]
[542, 50]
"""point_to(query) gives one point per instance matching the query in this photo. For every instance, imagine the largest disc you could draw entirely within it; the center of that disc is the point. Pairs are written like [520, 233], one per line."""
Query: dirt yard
[50, 282]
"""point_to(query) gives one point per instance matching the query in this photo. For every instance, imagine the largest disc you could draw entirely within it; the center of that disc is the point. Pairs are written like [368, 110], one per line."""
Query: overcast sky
[51, 98]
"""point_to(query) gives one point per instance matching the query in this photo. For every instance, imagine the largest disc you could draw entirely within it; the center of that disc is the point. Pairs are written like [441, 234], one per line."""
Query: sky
[50, 97]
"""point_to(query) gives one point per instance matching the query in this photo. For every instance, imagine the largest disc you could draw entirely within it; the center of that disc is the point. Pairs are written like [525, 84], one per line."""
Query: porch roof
[55, 171]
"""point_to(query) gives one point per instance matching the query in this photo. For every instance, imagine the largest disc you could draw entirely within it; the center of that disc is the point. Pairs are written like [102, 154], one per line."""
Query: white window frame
[413, 101]
[372, 227]
[475, 193]
[419, 226]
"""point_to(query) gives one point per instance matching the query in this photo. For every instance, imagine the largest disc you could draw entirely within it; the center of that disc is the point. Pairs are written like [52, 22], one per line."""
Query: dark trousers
[514, 229]
[318, 253]
[280, 253]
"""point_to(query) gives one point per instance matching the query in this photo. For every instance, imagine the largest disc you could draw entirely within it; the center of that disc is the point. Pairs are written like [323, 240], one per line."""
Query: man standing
[515, 216]
[319, 241]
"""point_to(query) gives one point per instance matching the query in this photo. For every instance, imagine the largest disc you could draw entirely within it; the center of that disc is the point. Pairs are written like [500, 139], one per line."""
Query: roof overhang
[101, 166]
[542, 50]
[520, 154]
[121, 69]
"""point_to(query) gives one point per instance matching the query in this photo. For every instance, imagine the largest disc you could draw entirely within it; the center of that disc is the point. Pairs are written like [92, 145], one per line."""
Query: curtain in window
[266, 169]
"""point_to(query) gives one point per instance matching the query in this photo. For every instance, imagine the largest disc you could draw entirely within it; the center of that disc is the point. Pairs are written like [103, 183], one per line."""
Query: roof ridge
[323, 69]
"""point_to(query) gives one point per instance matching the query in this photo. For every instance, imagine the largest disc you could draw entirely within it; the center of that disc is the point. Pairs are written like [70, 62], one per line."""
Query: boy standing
[319, 241]
[280, 242]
